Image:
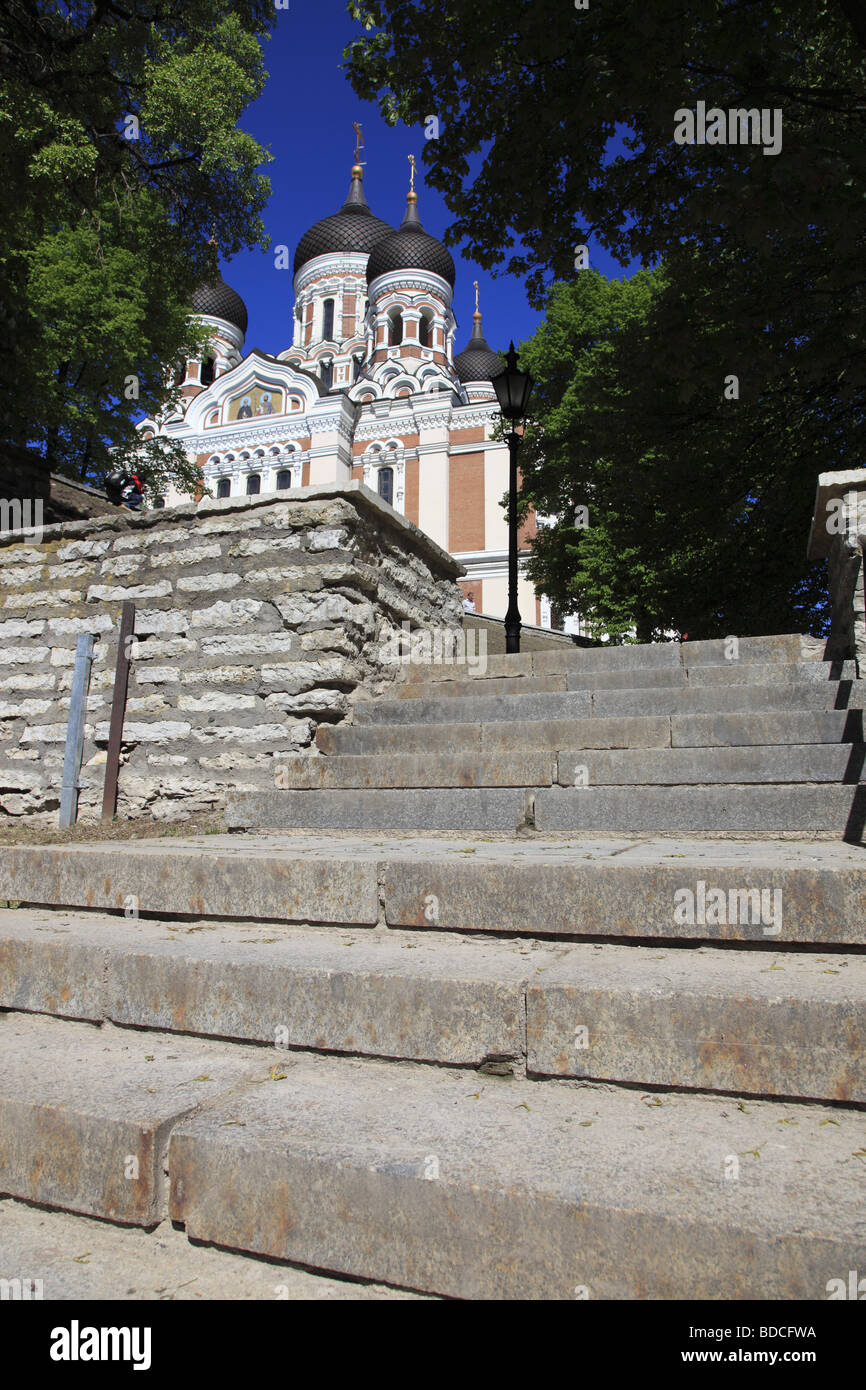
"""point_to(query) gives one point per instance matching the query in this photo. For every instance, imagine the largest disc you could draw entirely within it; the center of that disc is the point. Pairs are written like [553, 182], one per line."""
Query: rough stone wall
[256, 619]
[845, 577]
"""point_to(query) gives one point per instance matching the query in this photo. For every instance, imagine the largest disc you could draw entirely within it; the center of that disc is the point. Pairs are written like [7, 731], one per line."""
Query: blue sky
[304, 116]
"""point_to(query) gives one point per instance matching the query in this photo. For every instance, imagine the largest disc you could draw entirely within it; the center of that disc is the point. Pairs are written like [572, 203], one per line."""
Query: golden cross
[411, 173]
[359, 139]
[475, 283]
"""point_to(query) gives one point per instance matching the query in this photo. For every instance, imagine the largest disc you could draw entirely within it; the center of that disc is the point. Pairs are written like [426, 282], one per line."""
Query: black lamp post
[513, 389]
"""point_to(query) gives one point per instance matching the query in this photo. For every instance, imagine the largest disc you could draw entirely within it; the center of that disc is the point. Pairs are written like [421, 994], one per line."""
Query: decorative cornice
[422, 282]
[218, 439]
[345, 263]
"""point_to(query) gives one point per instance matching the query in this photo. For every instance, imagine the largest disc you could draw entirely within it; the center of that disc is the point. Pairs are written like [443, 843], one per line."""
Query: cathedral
[372, 388]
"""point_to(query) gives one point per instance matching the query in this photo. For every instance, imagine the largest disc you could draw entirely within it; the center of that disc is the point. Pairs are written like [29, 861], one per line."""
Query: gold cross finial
[359, 139]
[411, 173]
[475, 283]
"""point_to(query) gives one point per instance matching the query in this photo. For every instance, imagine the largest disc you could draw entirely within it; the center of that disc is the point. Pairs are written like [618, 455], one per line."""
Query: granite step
[586, 703]
[650, 731]
[613, 887]
[422, 1178]
[724, 808]
[780, 650]
[782, 763]
[747, 1022]
[479, 682]
[511, 1189]
[43, 1249]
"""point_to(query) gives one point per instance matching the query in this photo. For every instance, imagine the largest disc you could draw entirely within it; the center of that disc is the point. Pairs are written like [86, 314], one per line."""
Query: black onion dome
[477, 361]
[353, 228]
[222, 302]
[410, 248]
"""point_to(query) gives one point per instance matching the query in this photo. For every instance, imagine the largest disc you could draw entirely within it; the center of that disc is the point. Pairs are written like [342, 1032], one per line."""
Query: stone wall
[256, 618]
[839, 535]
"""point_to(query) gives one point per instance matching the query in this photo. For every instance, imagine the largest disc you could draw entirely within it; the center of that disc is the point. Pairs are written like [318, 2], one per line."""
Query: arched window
[254, 485]
[207, 371]
[224, 487]
[326, 371]
[396, 321]
[385, 485]
[357, 364]
[328, 319]
[424, 330]
[284, 478]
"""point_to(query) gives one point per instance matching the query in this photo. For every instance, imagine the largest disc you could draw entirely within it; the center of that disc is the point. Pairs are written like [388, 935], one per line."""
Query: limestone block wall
[839, 535]
[256, 618]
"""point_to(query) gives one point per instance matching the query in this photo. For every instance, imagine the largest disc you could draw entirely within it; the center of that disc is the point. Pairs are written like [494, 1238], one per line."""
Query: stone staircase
[386, 1037]
[650, 739]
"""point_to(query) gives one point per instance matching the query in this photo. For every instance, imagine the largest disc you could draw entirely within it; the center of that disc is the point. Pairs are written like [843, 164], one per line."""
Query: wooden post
[75, 730]
[118, 711]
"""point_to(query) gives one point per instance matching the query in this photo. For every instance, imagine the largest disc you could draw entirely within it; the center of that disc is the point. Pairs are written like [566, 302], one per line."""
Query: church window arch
[208, 370]
[284, 479]
[395, 326]
[328, 320]
[326, 372]
[425, 327]
[254, 485]
[224, 487]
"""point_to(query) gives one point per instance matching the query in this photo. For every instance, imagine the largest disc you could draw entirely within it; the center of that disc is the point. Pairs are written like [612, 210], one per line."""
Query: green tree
[120, 156]
[557, 130]
[668, 518]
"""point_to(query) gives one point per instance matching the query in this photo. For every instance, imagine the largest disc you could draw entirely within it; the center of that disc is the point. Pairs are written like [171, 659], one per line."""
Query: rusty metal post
[118, 711]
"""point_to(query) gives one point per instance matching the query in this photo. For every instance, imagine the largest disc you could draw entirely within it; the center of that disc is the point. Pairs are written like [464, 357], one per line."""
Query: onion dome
[477, 361]
[410, 248]
[222, 302]
[353, 228]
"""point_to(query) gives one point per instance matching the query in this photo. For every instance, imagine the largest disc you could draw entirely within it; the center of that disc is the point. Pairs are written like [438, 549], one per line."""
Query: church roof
[353, 228]
[410, 248]
[222, 302]
[477, 361]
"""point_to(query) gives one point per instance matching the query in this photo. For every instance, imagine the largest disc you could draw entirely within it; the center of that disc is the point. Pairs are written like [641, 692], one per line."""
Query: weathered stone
[157, 732]
[157, 675]
[105, 593]
[704, 1019]
[171, 877]
[216, 700]
[85, 1115]
[206, 583]
[88, 550]
[192, 555]
[512, 1190]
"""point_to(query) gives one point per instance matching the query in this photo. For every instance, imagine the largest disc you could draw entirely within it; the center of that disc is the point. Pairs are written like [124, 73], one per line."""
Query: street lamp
[513, 389]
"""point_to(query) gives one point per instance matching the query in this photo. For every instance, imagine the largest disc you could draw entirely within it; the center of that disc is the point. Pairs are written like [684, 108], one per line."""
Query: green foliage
[104, 237]
[556, 129]
[697, 516]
